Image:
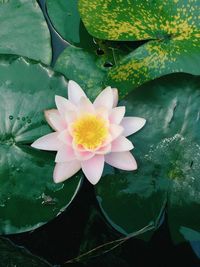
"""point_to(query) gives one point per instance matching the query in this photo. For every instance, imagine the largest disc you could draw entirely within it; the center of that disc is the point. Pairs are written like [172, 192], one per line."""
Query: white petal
[121, 144]
[48, 142]
[55, 120]
[93, 168]
[132, 125]
[115, 97]
[70, 116]
[115, 130]
[122, 160]
[64, 105]
[85, 106]
[117, 115]
[75, 92]
[102, 112]
[65, 137]
[64, 170]
[104, 150]
[65, 153]
[84, 155]
[104, 99]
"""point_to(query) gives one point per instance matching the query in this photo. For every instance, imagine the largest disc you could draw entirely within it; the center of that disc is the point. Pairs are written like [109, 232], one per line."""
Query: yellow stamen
[89, 131]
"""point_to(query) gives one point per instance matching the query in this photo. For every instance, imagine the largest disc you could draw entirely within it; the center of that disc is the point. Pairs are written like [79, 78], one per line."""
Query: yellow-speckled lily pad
[171, 27]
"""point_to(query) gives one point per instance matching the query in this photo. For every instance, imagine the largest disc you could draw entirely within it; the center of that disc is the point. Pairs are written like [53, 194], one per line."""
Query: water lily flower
[89, 134]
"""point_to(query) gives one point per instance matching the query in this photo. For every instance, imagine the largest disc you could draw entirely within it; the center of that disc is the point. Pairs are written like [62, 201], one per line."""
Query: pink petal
[75, 92]
[84, 155]
[117, 115]
[107, 141]
[70, 116]
[85, 106]
[104, 150]
[122, 160]
[115, 130]
[64, 170]
[93, 168]
[77, 146]
[102, 112]
[65, 137]
[55, 120]
[121, 144]
[65, 153]
[115, 97]
[132, 125]
[104, 99]
[64, 105]
[48, 142]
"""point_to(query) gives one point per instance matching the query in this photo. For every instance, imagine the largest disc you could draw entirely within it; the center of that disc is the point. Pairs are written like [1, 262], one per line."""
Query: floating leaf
[173, 27]
[66, 20]
[153, 60]
[24, 30]
[84, 67]
[28, 195]
[167, 150]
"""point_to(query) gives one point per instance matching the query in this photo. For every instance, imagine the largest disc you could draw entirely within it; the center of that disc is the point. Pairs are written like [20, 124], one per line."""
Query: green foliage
[88, 68]
[172, 26]
[24, 31]
[84, 67]
[167, 151]
[66, 20]
[29, 197]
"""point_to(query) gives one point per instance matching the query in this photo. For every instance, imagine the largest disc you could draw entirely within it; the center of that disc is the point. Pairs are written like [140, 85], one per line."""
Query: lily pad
[13, 256]
[167, 150]
[24, 30]
[84, 67]
[66, 19]
[171, 26]
[87, 67]
[28, 195]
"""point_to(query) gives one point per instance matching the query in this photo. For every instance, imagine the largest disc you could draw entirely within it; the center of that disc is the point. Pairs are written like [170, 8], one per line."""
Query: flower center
[89, 131]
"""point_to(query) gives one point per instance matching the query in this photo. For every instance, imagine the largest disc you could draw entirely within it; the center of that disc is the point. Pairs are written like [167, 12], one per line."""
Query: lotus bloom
[89, 134]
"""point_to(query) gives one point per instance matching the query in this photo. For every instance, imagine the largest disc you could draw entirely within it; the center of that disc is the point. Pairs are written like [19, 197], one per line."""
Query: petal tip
[32, 145]
[56, 177]
[57, 98]
[144, 121]
[35, 145]
[93, 180]
[115, 96]
[71, 82]
[55, 180]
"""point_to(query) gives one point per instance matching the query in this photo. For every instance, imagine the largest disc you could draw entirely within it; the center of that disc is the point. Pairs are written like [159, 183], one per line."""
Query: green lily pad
[66, 19]
[173, 27]
[88, 68]
[167, 150]
[13, 256]
[24, 30]
[84, 67]
[28, 195]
